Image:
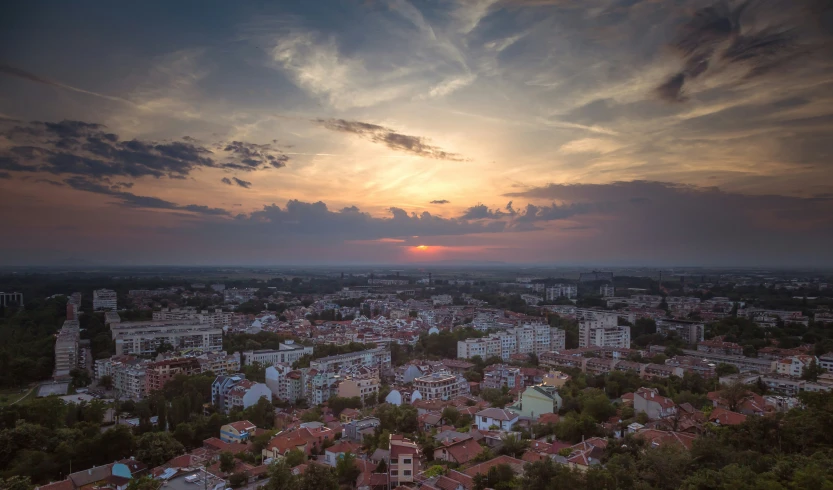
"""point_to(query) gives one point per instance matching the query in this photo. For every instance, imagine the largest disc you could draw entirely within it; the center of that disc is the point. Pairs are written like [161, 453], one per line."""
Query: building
[11, 299]
[359, 386]
[607, 291]
[720, 347]
[239, 432]
[159, 373]
[287, 353]
[499, 375]
[794, 365]
[527, 339]
[405, 459]
[129, 379]
[695, 365]
[221, 388]
[441, 386]
[568, 291]
[484, 347]
[145, 338]
[651, 403]
[378, 358]
[357, 429]
[442, 300]
[489, 418]
[558, 339]
[105, 299]
[245, 394]
[603, 330]
[690, 332]
[219, 363]
[66, 349]
[537, 400]
[216, 317]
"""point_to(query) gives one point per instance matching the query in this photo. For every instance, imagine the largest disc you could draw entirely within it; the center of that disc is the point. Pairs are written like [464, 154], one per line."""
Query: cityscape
[416, 245]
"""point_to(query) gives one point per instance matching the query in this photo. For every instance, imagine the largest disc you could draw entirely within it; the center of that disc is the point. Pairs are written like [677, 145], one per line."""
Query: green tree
[155, 448]
[227, 461]
[106, 382]
[813, 371]
[145, 482]
[451, 415]
[318, 477]
[347, 470]
[295, 457]
[513, 445]
[16, 483]
[237, 479]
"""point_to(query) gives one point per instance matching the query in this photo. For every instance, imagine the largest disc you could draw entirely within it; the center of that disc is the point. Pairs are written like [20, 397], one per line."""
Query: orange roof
[483, 468]
[725, 417]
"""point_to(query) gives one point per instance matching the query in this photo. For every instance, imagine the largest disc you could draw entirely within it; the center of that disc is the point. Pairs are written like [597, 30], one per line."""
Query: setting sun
[422, 247]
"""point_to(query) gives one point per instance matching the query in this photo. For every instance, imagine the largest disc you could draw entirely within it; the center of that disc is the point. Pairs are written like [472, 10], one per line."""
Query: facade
[221, 388]
[11, 299]
[287, 353]
[441, 386]
[245, 394]
[527, 339]
[144, 338]
[219, 363]
[378, 358]
[603, 330]
[489, 418]
[650, 402]
[499, 375]
[720, 347]
[66, 349]
[537, 400]
[690, 332]
[160, 372]
[216, 317]
[794, 365]
[483, 347]
[238, 432]
[105, 299]
[405, 459]
[568, 291]
[360, 386]
[607, 291]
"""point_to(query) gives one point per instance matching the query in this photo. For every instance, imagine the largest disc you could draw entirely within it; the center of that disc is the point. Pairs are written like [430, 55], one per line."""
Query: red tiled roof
[58, 485]
[243, 426]
[460, 478]
[516, 464]
[725, 417]
[660, 437]
[463, 451]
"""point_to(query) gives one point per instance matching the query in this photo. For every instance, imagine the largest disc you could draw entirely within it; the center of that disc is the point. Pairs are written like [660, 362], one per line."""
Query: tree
[295, 457]
[155, 448]
[281, 477]
[237, 479]
[813, 371]
[734, 394]
[16, 483]
[724, 369]
[451, 415]
[347, 470]
[145, 482]
[382, 467]
[311, 415]
[227, 462]
[318, 477]
[513, 445]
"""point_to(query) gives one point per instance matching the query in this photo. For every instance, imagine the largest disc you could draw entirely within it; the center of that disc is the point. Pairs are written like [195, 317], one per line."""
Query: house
[721, 416]
[584, 454]
[112, 475]
[656, 438]
[517, 466]
[336, 451]
[751, 404]
[245, 394]
[537, 400]
[650, 402]
[404, 460]
[348, 415]
[305, 439]
[459, 450]
[502, 419]
[794, 365]
[239, 431]
[357, 429]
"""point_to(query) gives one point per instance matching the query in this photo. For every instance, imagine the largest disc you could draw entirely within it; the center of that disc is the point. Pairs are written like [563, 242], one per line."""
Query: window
[393, 473]
[406, 461]
[407, 473]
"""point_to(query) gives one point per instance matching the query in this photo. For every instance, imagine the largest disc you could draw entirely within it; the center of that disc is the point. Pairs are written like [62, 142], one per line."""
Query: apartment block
[441, 386]
[359, 386]
[378, 358]
[216, 317]
[287, 352]
[568, 291]
[690, 332]
[144, 338]
[66, 348]
[405, 460]
[105, 299]
[602, 329]
[159, 373]
[526, 339]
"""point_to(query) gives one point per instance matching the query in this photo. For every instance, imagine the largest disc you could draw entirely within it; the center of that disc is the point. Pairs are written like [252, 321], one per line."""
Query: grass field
[13, 395]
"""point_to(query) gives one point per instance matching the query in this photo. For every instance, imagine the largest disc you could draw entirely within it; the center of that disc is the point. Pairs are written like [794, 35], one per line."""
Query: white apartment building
[287, 353]
[527, 339]
[607, 291]
[485, 348]
[216, 317]
[66, 348]
[602, 329]
[378, 358]
[441, 386]
[105, 299]
[568, 291]
[558, 339]
[144, 338]
[442, 299]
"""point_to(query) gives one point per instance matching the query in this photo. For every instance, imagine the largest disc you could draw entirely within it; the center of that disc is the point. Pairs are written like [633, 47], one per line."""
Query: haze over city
[607, 132]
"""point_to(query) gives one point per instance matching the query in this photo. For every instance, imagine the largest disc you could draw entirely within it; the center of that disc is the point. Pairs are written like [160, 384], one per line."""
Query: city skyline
[605, 132]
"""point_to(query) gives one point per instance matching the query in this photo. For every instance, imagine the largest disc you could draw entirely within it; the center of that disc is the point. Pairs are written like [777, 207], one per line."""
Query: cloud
[752, 37]
[440, 201]
[415, 145]
[131, 200]
[242, 183]
[87, 149]
[226, 181]
[12, 71]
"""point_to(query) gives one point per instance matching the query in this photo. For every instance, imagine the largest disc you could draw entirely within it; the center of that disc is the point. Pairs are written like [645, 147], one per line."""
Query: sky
[592, 132]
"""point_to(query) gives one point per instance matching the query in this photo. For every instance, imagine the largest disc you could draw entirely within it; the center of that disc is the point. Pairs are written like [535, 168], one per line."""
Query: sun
[422, 247]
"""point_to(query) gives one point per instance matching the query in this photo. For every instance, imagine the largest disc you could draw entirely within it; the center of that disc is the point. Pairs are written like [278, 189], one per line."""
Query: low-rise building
[489, 418]
[363, 387]
[441, 386]
[239, 432]
[405, 458]
[537, 400]
[654, 405]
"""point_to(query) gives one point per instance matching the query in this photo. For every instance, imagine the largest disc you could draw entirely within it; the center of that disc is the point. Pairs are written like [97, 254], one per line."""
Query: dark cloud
[440, 201]
[242, 183]
[50, 182]
[5, 175]
[131, 200]
[415, 145]
[757, 35]
[530, 214]
[88, 150]
[307, 218]
[226, 181]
